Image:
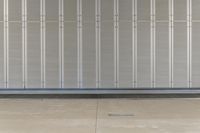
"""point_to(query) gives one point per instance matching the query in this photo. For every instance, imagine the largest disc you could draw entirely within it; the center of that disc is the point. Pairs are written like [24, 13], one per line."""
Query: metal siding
[195, 55]
[107, 10]
[89, 60]
[162, 54]
[143, 60]
[107, 55]
[33, 10]
[143, 9]
[52, 11]
[180, 9]
[70, 10]
[125, 54]
[180, 54]
[15, 55]
[33, 55]
[88, 10]
[125, 10]
[162, 9]
[99, 43]
[15, 10]
[1, 54]
[70, 55]
[1, 10]
[52, 55]
[195, 9]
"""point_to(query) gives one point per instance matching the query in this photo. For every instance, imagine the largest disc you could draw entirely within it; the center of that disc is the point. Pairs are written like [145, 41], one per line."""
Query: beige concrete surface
[99, 115]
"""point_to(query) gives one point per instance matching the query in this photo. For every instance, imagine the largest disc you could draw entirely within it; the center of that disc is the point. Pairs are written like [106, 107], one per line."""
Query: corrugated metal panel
[33, 55]
[180, 54]
[70, 55]
[162, 54]
[15, 10]
[195, 43]
[89, 60]
[52, 11]
[1, 54]
[107, 55]
[125, 54]
[99, 43]
[52, 55]
[1, 10]
[143, 9]
[33, 10]
[144, 55]
[162, 9]
[15, 55]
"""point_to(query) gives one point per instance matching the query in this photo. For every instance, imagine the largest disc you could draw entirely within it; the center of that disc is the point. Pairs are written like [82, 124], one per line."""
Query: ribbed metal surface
[99, 44]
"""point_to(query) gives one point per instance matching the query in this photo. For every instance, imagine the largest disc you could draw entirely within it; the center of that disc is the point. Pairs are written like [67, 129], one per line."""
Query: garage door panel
[195, 55]
[180, 9]
[143, 9]
[162, 9]
[88, 8]
[15, 55]
[33, 55]
[70, 10]
[33, 10]
[125, 54]
[89, 55]
[195, 9]
[52, 10]
[143, 57]
[1, 55]
[52, 55]
[1, 10]
[125, 10]
[107, 55]
[180, 55]
[162, 55]
[107, 10]
[70, 55]
[15, 10]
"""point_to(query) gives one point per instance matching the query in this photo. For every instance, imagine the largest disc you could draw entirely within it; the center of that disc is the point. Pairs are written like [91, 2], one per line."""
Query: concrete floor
[100, 115]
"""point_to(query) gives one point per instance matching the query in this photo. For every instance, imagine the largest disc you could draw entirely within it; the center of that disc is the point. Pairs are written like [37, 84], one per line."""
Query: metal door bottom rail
[100, 91]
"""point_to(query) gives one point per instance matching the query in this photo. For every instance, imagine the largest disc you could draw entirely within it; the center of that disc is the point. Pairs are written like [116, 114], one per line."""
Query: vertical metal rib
[24, 43]
[5, 43]
[99, 45]
[152, 43]
[98, 42]
[78, 43]
[41, 41]
[44, 43]
[79, 30]
[116, 43]
[172, 47]
[171, 42]
[135, 43]
[42, 23]
[188, 43]
[61, 44]
[190, 75]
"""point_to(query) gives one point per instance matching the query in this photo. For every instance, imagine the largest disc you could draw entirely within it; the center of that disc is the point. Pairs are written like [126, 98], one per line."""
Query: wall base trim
[100, 91]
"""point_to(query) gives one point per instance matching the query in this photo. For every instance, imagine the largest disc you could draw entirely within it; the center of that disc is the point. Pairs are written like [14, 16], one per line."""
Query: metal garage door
[99, 46]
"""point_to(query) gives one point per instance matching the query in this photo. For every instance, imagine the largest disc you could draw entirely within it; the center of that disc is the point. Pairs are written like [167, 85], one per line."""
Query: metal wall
[99, 44]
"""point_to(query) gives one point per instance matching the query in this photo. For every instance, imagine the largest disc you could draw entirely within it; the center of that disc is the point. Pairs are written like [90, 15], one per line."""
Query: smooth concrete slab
[47, 116]
[149, 116]
[100, 115]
